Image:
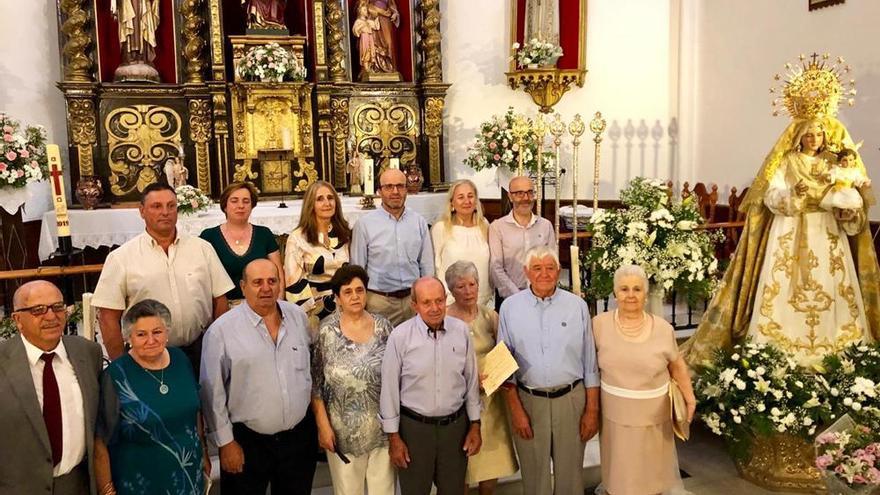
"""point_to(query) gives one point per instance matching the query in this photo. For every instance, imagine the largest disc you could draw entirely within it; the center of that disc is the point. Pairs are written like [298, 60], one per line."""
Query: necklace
[238, 241]
[628, 330]
[163, 388]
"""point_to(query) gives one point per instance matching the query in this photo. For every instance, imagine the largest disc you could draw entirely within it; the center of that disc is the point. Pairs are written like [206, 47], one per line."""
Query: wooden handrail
[50, 271]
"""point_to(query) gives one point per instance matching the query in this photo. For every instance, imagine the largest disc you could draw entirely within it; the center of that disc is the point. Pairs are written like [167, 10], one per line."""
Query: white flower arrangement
[22, 153]
[270, 63]
[657, 233]
[191, 200]
[537, 52]
[758, 388]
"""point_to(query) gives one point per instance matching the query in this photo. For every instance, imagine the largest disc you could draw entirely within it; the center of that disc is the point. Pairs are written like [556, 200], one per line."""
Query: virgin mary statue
[803, 278]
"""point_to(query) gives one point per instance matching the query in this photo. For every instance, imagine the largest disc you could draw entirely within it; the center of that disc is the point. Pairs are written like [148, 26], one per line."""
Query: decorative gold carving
[82, 124]
[336, 40]
[139, 139]
[386, 129]
[339, 125]
[193, 41]
[305, 119]
[243, 172]
[320, 42]
[221, 135]
[546, 86]
[200, 134]
[306, 173]
[217, 65]
[430, 42]
[434, 129]
[782, 462]
[78, 65]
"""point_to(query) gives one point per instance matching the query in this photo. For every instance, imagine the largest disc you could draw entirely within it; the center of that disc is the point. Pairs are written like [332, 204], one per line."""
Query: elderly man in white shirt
[180, 271]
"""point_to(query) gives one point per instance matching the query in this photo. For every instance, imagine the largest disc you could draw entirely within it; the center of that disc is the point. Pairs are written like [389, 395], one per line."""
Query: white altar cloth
[114, 226]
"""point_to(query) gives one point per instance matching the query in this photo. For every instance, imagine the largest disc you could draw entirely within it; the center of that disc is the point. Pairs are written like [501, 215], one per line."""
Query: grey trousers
[397, 310]
[437, 457]
[76, 482]
[556, 429]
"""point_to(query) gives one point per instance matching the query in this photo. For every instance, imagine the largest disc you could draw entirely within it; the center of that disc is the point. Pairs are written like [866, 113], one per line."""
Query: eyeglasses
[523, 194]
[41, 309]
[391, 187]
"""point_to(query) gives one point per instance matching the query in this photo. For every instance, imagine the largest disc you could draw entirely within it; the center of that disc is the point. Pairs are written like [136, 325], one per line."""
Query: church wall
[632, 78]
[740, 46]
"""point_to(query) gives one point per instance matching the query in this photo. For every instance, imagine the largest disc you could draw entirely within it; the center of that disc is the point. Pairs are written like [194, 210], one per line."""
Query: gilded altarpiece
[190, 104]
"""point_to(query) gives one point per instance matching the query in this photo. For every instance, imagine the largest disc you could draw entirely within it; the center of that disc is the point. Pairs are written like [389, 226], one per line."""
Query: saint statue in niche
[137, 21]
[376, 28]
[542, 20]
[265, 14]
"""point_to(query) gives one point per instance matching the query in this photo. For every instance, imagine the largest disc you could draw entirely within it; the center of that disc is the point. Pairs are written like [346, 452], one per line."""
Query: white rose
[847, 402]
[761, 407]
[737, 419]
[856, 406]
[808, 421]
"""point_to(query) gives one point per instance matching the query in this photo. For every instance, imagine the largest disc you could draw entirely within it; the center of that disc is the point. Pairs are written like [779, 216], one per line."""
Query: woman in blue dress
[149, 438]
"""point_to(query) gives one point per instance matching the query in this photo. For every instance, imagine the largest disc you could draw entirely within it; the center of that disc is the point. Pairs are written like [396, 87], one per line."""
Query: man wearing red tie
[49, 390]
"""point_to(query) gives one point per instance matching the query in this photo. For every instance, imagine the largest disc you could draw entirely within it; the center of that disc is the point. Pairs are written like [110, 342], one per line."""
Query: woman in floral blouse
[346, 371]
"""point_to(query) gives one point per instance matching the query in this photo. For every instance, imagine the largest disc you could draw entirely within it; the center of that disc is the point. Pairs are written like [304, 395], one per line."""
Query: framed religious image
[548, 33]
[818, 4]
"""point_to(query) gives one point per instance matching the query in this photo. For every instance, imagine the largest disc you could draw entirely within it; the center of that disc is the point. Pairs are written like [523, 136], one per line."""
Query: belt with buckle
[431, 420]
[552, 394]
[397, 294]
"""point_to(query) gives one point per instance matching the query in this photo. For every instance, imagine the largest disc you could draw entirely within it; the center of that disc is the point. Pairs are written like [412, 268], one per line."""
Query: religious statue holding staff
[385, 11]
[804, 277]
[265, 14]
[137, 21]
[374, 57]
[355, 166]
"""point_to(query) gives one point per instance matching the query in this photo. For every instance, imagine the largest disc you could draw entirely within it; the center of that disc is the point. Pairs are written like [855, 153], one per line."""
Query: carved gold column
[339, 129]
[218, 69]
[321, 70]
[430, 42]
[82, 123]
[200, 134]
[77, 64]
[221, 136]
[193, 41]
[336, 41]
[434, 132]
[325, 139]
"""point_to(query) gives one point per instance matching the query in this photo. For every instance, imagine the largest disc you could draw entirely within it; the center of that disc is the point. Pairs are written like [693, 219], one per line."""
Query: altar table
[114, 226]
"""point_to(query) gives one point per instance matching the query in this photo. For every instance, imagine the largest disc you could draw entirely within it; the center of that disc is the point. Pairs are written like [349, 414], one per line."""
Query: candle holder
[557, 129]
[367, 202]
[540, 129]
[576, 129]
[519, 129]
[597, 127]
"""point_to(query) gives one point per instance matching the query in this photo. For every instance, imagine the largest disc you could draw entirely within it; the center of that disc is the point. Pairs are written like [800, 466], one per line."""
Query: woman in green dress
[237, 241]
[149, 438]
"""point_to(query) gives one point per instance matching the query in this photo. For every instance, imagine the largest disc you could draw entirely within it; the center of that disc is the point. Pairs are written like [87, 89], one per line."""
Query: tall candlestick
[597, 127]
[576, 129]
[557, 129]
[369, 183]
[540, 131]
[87, 316]
[53, 153]
[519, 129]
[286, 139]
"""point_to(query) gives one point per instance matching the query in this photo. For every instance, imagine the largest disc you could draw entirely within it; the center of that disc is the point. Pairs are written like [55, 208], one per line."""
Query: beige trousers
[556, 428]
[397, 310]
[373, 468]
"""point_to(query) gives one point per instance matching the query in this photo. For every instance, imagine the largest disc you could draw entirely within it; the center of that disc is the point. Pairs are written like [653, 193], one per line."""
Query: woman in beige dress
[496, 458]
[637, 356]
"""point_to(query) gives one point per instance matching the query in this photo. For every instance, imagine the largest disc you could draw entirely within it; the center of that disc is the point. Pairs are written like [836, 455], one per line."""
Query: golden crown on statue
[813, 89]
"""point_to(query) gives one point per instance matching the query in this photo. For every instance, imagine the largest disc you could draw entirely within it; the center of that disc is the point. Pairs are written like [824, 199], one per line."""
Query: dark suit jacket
[26, 457]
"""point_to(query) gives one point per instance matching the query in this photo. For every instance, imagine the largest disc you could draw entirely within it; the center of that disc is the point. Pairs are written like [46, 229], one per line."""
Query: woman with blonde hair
[462, 234]
[315, 250]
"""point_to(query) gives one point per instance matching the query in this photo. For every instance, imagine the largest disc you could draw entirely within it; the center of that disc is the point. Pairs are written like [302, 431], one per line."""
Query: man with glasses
[514, 234]
[394, 245]
[49, 386]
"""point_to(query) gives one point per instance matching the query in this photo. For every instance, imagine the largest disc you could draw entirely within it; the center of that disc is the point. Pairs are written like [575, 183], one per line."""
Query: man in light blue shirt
[553, 397]
[430, 399]
[394, 245]
[256, 387]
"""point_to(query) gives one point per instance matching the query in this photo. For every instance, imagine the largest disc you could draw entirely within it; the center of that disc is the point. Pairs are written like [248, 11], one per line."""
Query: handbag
[678, 406]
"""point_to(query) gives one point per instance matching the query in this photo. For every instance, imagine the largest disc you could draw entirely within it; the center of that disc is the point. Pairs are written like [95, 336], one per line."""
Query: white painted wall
[739, 46]
[631, 59]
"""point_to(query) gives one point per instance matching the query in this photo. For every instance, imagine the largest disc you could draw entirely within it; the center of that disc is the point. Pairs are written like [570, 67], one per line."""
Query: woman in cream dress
[637, 356]
[462, 234]
[496, 458]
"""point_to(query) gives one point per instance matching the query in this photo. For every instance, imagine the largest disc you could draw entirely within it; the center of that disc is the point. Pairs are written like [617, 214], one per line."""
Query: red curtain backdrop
[108, 42]
[404, 40]
[570, 24]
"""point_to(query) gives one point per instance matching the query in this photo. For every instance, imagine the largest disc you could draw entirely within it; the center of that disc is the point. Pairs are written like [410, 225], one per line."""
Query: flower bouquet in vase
[191, 200]
[496, 147]
[270, 63]
[22, 161]
[848, 454]
[537, 53]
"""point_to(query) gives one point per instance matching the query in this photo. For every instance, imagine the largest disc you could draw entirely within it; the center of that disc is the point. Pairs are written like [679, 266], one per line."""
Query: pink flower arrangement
[850, 455]
[22, 153]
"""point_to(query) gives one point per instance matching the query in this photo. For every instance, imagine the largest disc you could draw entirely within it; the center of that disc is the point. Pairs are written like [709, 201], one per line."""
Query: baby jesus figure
[845, 177]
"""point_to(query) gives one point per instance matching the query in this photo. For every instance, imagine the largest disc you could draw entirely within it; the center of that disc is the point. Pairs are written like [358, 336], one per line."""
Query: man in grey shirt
[512, 235]
[430, 399]
[393, 244]
[256, 387]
